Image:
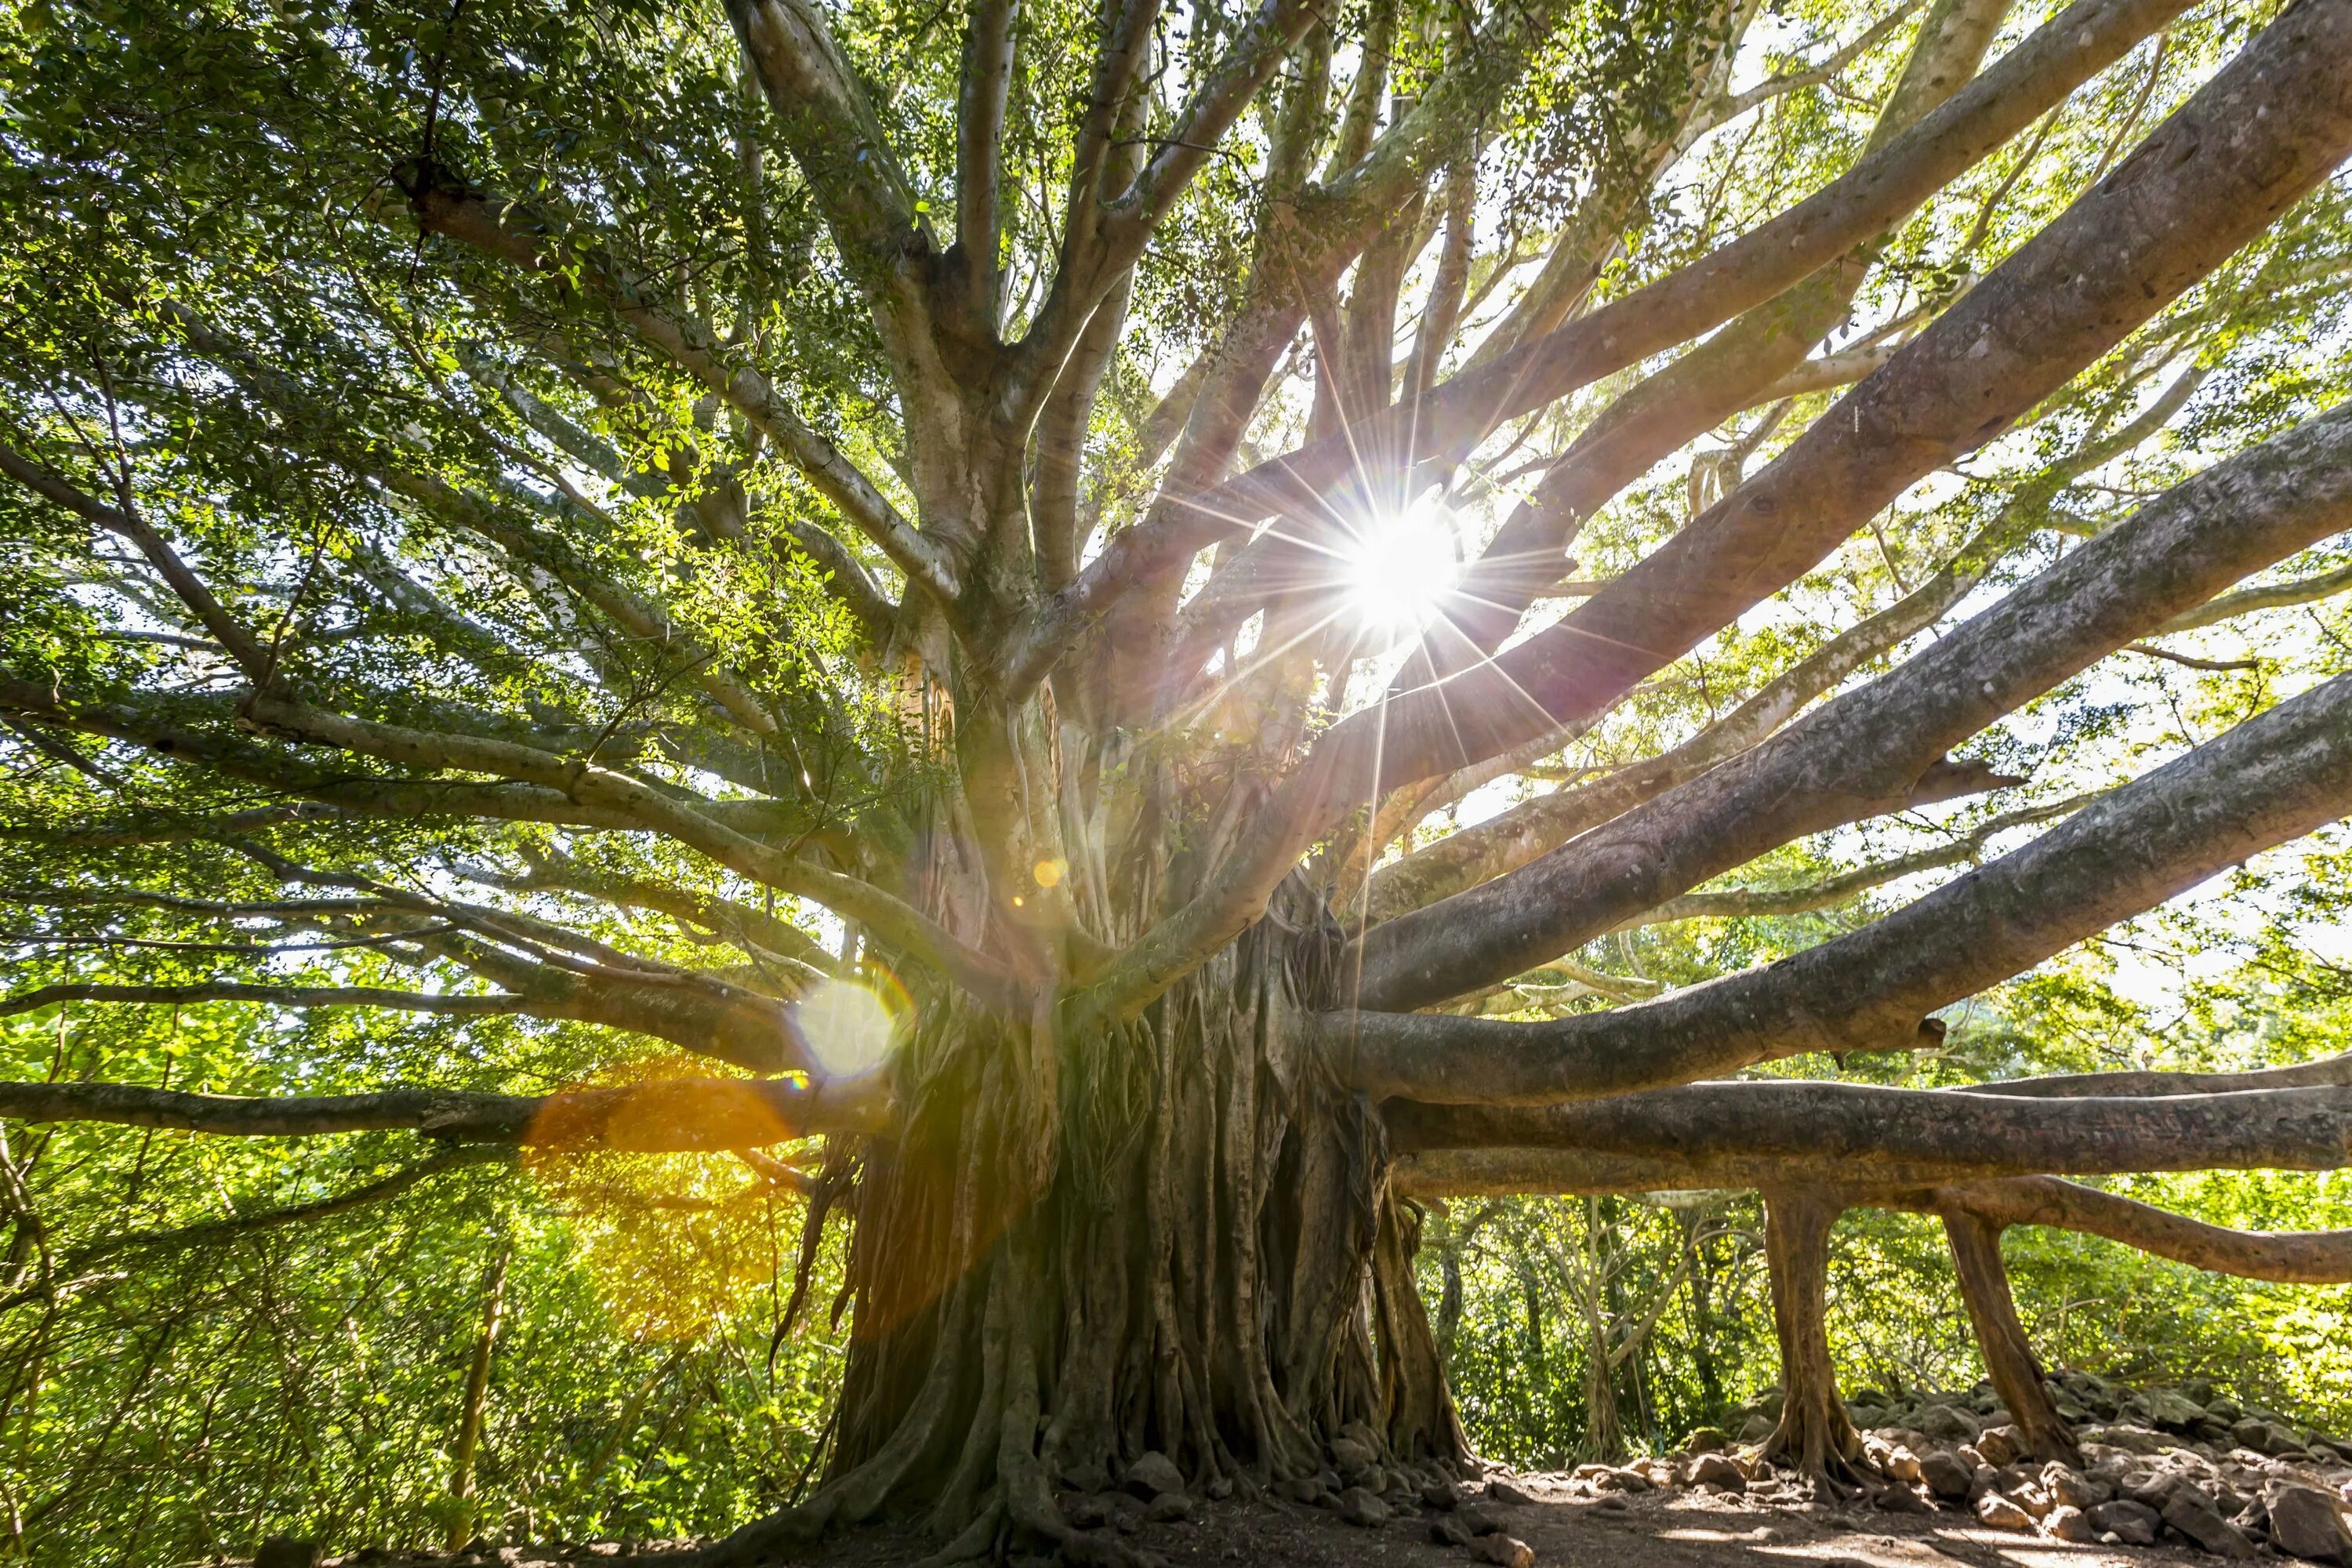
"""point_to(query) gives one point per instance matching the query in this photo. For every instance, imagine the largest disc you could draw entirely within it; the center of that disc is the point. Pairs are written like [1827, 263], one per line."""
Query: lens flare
[848, 1027]
[1399, 567]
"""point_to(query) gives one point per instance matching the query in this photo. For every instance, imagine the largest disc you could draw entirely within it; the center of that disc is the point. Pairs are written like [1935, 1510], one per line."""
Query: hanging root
[1212, 1269]
[2008, 1355]
[1814, 1434]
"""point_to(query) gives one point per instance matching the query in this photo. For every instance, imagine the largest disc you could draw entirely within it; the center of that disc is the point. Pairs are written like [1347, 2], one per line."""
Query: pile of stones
[2177, 1464]
[1362, 1491]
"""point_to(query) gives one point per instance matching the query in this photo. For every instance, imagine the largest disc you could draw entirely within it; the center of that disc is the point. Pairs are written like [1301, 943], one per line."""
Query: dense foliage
[452, 494]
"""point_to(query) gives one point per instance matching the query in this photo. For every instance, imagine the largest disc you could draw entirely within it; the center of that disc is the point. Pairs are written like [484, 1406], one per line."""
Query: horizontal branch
[301, 996]
[209, 1232]
[1874, 1137]
[666, 1116]
[2294, 1257]
[2302, 1258]
[2336, 1070]
[2234, 518]
[2269, 780]
[2269, 596]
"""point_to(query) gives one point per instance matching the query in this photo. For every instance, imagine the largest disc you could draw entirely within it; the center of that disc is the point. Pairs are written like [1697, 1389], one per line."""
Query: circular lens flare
[848, 1026]
[1399, 567]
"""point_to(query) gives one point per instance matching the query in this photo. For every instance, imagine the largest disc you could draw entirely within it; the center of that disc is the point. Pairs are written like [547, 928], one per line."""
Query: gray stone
[1707, 1441]
[1717, 1472]
[1360, 1508]
[1947, 1423]
[2001, 1445]
[1503, 1491]
[2169, 1410]
[1348, 1454]
[1440, 1493]
[1168, 1507]
[1507, 1552]
[2002, 1514]
[1756, 1428]
[2192, 1513]
[1902, 1500]
[1901, 1463]
[2306, 1522]
[2132, 1524]
[1946, 1475]
[1302, 1488]
[2265, 1438]
[1627, 1479]
[2065, 1524]
[1481, 1519]
[1152, 1475]
[2069, 1487]
[285, 1552]
[2130, 1439]
[1447, 1530]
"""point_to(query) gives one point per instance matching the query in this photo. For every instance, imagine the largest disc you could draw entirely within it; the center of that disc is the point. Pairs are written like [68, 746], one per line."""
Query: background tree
[756, 539]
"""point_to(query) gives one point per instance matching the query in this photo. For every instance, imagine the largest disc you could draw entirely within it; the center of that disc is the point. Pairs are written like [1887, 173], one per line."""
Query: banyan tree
[957, 567]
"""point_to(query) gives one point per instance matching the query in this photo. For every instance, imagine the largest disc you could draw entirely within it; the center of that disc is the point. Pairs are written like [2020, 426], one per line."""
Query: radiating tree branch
[1764, 262]
[2262, 783]
[2234, 518]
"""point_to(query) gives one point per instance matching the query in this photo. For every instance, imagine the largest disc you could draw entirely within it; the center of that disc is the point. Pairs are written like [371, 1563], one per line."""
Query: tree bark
[1814, 1432]
[1189, 1250]
[471, 1409]
[2007, 1354]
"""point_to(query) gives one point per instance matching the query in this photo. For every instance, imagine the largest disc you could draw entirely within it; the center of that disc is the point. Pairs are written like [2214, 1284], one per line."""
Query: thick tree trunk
[1190, 1251]
[2008, 1355]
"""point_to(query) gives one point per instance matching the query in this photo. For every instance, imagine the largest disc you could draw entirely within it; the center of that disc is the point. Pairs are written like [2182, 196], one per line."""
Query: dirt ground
[1676, 1530]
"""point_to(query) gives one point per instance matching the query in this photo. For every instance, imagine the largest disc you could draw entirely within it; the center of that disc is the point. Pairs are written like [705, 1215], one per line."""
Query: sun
[1398, 570]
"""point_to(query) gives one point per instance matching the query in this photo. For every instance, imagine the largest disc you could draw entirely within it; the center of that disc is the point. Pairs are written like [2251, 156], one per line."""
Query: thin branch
[1734, 903]
[212, 1232]
[1866, 1136]
[512, 235]
[300, 996]
[662, 1116]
